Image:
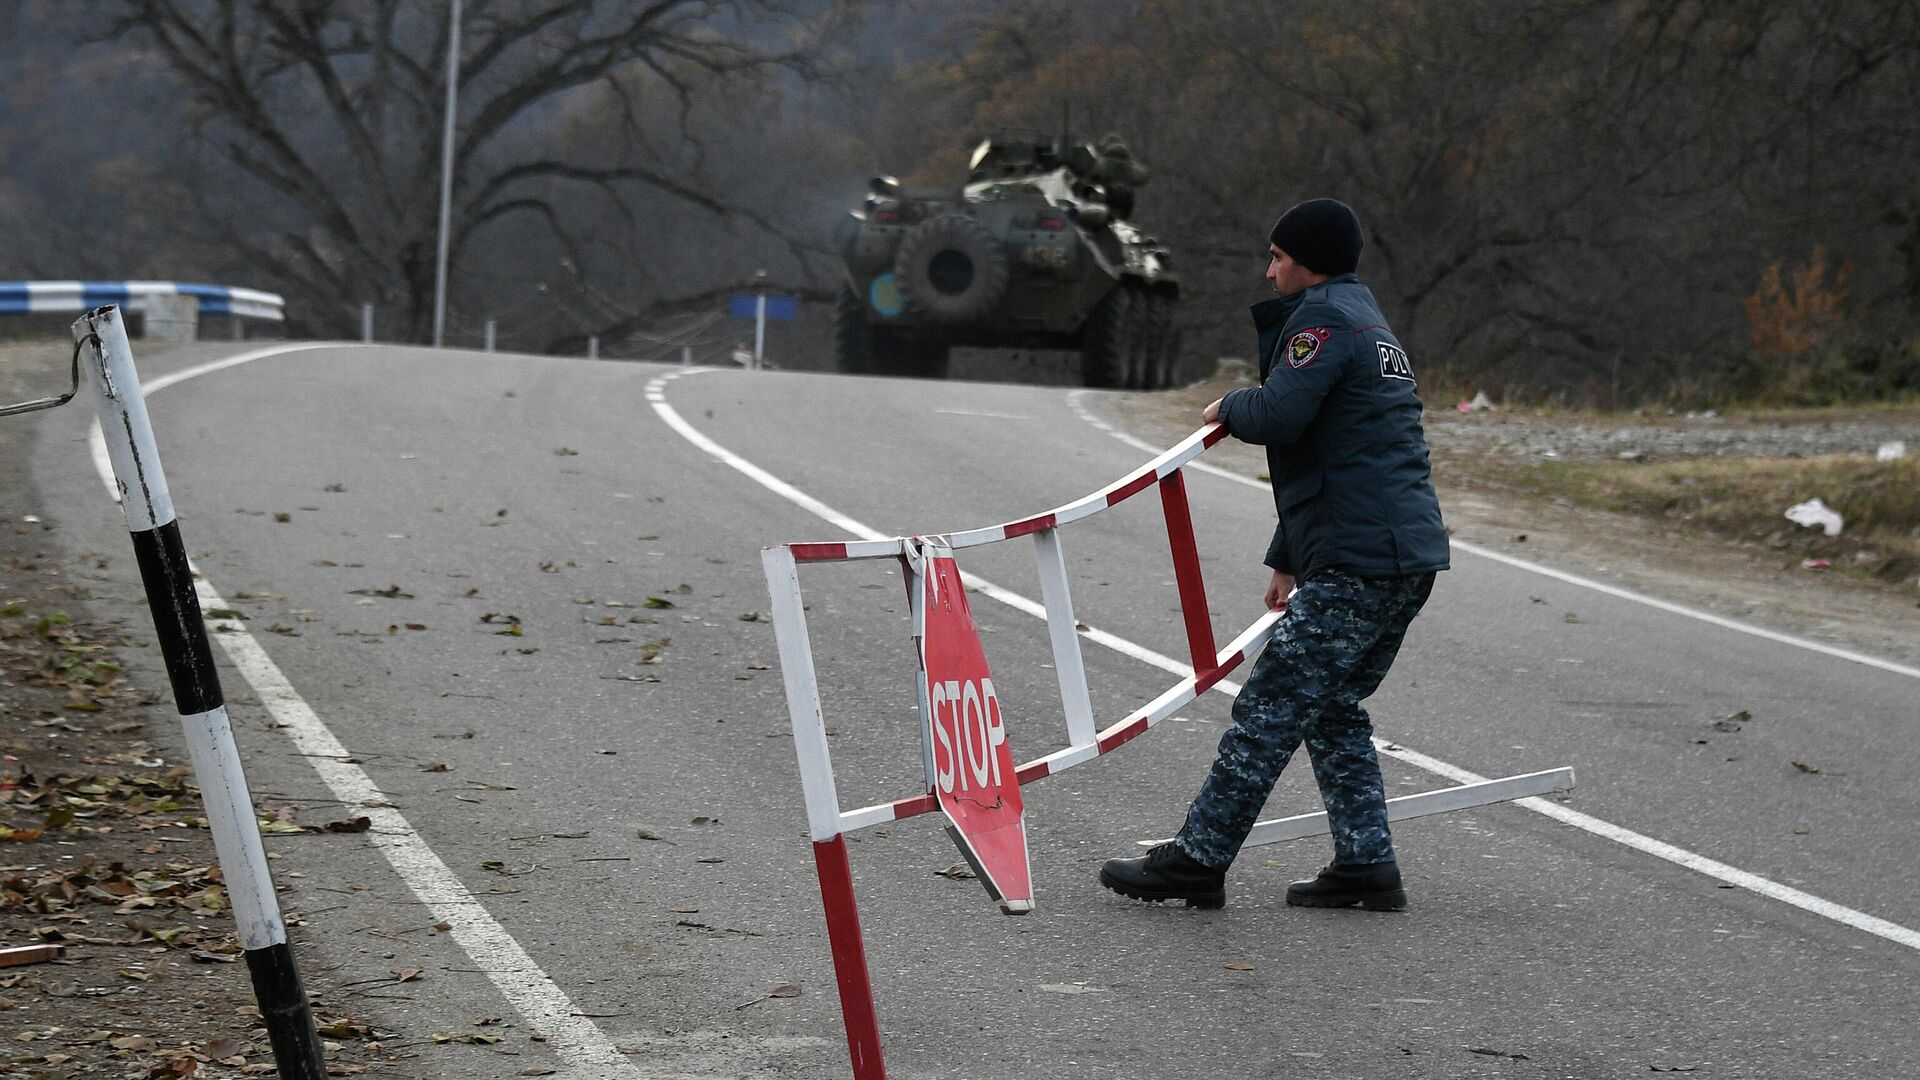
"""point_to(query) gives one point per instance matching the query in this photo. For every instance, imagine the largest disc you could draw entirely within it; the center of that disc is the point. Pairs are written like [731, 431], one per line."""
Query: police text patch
[1394, 363]
[1305, 345]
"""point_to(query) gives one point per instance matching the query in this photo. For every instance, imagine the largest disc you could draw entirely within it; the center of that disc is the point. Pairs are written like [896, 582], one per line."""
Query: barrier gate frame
[828, 824]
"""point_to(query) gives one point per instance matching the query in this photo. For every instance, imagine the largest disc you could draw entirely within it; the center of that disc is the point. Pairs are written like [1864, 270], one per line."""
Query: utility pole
[446, 177]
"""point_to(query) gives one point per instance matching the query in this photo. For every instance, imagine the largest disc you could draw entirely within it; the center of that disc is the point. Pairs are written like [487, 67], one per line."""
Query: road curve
[502, 493]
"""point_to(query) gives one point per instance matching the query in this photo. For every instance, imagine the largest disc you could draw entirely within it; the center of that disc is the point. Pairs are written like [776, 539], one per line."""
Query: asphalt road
[498, 491]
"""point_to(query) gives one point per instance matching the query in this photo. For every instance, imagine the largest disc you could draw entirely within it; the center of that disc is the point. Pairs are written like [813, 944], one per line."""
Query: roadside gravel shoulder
[1745, 581]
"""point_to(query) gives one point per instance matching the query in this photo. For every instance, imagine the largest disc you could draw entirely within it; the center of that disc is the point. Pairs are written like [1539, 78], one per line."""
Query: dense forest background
[1604, 201]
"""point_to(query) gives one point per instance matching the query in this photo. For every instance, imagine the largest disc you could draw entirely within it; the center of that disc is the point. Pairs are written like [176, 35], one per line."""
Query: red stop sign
[973, 773]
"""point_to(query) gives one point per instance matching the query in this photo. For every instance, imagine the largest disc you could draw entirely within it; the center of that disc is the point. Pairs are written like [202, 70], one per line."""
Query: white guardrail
[34, 297]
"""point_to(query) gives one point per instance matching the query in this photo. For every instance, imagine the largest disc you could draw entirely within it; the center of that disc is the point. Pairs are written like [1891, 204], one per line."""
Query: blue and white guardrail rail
[34, 297]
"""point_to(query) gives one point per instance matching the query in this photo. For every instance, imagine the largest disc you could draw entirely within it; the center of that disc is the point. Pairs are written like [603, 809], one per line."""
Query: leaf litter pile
[104, 853]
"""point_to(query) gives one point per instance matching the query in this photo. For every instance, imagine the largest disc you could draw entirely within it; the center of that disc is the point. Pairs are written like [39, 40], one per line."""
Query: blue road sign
[742, 306]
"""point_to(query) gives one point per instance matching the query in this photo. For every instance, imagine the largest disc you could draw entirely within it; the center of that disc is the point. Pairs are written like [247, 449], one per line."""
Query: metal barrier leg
[196, 691]
[823, 814]
[1186, 571]
[849, 959]
[1063, 628]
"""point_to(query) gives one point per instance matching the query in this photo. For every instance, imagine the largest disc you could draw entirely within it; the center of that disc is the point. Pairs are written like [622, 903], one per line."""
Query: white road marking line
[546, 1008]
[1076, 401]
[980, 412]
[1660, 849]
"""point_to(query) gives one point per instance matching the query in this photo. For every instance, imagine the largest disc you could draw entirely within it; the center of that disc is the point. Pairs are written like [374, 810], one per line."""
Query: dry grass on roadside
[1746, 499]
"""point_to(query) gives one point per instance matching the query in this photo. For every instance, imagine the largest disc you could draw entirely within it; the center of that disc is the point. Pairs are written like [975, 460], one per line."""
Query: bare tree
[1558, 194]
[331, 113]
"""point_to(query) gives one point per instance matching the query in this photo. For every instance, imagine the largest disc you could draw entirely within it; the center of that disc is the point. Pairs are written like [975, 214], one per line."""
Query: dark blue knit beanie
[1322, 235]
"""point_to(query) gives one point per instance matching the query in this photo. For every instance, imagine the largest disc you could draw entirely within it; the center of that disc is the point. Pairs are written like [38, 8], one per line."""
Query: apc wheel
[1110, 346]
[1170, 354]
[1162, 341]
[951, 270]
[853, 338]
[1143, 343]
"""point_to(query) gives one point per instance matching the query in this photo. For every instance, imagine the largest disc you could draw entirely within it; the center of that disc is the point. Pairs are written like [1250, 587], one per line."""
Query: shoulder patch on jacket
[1305, 345]
[1394, 363]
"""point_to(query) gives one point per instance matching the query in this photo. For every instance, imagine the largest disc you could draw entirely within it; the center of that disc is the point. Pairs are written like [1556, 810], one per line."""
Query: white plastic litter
[1892, 451]
[1814, 512]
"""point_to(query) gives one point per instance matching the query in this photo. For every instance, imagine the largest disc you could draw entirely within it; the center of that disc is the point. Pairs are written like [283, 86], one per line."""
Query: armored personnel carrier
[1033, 251]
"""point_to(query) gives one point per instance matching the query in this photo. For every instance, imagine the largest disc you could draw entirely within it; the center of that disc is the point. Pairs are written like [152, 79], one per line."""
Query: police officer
[1353, 559]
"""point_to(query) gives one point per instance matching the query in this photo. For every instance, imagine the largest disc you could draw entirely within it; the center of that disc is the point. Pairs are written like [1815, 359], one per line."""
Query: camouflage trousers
[1329, 652]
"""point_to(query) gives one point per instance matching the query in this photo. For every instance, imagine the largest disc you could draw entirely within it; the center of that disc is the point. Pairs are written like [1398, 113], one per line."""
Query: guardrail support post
[177, 622]
[1186, 571]
[490, 335]
[366, 324]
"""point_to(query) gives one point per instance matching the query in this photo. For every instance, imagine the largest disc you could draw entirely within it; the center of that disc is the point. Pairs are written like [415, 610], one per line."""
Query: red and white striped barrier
[964, 741]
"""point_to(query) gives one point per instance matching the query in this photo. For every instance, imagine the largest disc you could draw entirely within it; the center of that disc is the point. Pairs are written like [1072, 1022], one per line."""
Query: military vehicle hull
[1022, 257]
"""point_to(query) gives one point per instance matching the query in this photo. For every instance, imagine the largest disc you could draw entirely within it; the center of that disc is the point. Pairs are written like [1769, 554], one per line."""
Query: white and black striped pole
[108, 360]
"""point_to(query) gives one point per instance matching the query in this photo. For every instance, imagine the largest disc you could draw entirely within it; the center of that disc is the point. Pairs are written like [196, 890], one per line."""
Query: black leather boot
[1372, 886]
[1166, 873]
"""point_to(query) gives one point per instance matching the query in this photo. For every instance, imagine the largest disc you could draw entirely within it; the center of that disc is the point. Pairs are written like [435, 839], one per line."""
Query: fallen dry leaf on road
[471, 1038]
[1732, 721]
[785, 990]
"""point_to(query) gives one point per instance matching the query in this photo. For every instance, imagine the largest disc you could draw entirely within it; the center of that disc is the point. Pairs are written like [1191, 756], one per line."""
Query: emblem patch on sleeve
[1394, 363]
[1305, 345]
